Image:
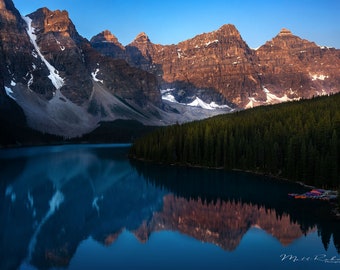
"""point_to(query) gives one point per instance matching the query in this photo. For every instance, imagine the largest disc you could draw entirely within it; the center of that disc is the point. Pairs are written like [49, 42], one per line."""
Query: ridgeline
[299, 141]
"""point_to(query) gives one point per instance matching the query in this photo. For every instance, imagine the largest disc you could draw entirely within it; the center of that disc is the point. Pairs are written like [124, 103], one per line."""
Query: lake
[90, 207]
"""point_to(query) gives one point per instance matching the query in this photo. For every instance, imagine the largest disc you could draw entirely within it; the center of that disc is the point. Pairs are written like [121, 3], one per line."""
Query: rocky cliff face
[220, 67]
[295, 67]
[19, 61]
[60, 44]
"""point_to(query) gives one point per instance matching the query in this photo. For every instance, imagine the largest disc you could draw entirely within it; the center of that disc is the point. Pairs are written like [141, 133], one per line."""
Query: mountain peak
[108, 36]
[8, 12]
[142, 38]
[229, 29]
[57, 21]
[105, 36]
[285, 32]
[6, 4]
[48, 12]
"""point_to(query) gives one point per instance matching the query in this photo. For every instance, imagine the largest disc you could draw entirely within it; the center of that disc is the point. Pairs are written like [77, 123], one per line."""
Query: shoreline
[335, 205]
[222, 168]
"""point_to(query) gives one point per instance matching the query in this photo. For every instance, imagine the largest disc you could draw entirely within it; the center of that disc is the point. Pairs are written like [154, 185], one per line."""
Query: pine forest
[297, 140]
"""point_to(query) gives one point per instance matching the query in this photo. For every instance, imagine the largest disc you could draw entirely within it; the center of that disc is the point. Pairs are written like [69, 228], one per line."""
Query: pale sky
[170, 22]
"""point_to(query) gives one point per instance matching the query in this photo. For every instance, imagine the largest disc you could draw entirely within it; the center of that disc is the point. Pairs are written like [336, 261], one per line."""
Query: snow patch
[30, 81]
[211, 106]
[187, 113]
[198, 103]
[94, 76]
[180, 53]
[166, 95]
[164, 91]
[56, 80]
[13, 83]
[61, 46]
[251, 103]
[322, 93]
[169, 97]
[271, 97]
[211, 42]
[214, 105]
[318, 77]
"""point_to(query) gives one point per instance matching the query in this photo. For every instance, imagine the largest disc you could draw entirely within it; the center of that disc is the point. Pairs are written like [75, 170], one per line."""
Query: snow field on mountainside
[57, 81]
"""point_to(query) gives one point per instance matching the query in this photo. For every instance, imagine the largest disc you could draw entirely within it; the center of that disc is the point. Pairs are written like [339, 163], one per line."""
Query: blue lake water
[90, 207]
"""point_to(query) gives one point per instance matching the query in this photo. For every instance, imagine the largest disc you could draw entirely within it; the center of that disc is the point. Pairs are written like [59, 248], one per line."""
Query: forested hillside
[296, 140]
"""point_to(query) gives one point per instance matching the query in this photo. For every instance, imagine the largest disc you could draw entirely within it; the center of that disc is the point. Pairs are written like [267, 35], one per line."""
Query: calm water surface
[89, 207]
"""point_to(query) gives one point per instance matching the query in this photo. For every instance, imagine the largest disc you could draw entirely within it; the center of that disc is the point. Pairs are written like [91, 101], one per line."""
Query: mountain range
[55, 81]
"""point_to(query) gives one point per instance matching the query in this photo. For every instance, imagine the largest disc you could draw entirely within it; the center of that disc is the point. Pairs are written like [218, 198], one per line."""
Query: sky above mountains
[169, 22]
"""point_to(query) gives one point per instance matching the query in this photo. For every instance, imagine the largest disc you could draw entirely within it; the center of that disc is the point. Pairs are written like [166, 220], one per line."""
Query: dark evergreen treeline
[15, 134]
[296, 140]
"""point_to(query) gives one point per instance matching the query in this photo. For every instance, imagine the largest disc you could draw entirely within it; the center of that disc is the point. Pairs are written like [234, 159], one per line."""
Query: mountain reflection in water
[53, 198]
[217, 187]
[221, 223]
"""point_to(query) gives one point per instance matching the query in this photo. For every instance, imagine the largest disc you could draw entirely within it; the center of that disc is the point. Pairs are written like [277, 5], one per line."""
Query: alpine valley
[54, 81]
